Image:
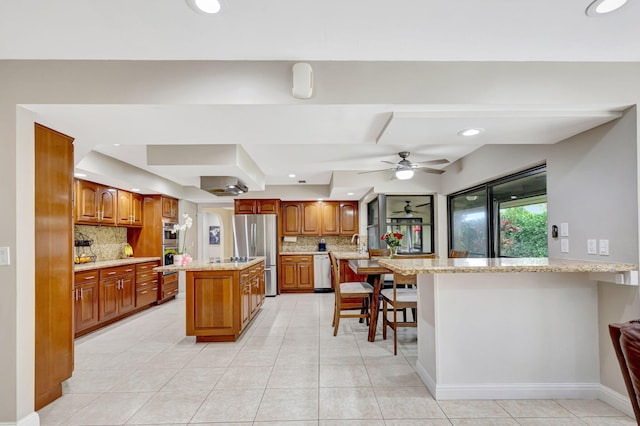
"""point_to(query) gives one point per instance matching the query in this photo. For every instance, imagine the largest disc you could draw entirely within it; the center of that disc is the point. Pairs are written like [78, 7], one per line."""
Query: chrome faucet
[355, 237]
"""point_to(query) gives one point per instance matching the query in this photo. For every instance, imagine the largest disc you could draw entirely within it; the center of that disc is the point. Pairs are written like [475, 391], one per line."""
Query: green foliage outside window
[523, 231]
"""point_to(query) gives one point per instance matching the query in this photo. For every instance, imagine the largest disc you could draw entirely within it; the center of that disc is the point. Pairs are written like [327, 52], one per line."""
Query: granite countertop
[466, 265]
[350, 255]
[293, 253]
[110, 263]
[206, 265]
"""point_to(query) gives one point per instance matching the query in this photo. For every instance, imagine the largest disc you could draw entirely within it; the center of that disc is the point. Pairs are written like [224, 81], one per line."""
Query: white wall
[202, 82]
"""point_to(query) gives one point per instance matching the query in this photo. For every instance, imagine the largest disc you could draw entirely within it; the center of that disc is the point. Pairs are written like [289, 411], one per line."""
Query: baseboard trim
[32, 419]
[617, 400]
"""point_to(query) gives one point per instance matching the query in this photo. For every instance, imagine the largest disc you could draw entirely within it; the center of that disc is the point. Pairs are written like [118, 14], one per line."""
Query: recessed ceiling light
[291, 175]
[116, 144]
[135, 189]
[349, 193]
[470, 132]
[600, 7]
[79, 175]
[208, 7]
[513, 197]
[320, 200]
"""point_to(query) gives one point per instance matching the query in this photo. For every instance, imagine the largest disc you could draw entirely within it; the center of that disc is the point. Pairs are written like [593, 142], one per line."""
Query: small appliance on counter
[322, 246]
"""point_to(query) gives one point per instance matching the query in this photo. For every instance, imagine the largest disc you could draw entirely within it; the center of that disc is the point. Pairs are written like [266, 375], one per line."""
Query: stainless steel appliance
[321, 273]
[168, 236]
[257, 235]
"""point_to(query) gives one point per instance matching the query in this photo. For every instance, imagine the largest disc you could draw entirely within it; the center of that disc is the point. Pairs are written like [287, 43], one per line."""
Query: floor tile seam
[71, 414]
[138, 409]
[201, 404]
[538, 417]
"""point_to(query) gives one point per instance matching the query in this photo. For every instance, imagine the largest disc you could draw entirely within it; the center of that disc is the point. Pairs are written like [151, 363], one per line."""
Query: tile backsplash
[307, 244]
[108, 241]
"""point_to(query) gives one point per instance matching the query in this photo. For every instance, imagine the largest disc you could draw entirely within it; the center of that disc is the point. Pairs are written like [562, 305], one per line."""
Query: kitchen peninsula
[221, 297]
[510, 328]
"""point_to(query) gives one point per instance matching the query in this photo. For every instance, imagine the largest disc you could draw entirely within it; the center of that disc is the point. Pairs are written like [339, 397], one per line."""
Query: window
[502, 218]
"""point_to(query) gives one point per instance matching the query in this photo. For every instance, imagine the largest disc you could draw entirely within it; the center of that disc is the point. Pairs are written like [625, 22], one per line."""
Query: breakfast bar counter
[509, 328]
[221, 297]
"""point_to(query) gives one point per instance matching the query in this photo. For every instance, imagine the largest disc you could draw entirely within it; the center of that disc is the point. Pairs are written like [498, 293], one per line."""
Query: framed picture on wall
[214, 235]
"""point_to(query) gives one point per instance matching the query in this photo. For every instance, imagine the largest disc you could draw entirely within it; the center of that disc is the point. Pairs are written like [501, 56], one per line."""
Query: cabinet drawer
[170, 279]
[169, 290]
[296, 259]
[86, 277]
[116, 271]
[147, 296]
[147, 266]
[146, 276]
[147, 284]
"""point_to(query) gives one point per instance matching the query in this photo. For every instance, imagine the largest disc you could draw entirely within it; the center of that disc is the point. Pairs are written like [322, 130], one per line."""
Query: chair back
[379, 252]
[458, 253]
[335, 274]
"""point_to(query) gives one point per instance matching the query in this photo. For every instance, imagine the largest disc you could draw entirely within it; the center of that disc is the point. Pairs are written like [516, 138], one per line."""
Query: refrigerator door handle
[254, 232]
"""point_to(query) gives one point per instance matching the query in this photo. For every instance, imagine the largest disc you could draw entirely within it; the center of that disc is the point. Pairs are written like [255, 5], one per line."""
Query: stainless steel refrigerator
[257, 235]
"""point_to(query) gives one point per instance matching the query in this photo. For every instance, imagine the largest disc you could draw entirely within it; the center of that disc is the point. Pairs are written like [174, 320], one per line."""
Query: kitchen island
[509, 328]
[221, 297]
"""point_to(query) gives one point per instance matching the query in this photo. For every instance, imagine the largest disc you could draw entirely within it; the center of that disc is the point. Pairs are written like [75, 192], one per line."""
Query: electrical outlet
[5, 256]
[592, 247]
[604, 247]
[564, 245]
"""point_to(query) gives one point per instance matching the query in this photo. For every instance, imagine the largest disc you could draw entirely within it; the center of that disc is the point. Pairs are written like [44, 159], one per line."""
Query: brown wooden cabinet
[296, 273]
[169, 287]
[330, 218]
[95, 203]
[291, 218]
[147, 283]
[221, 303]
[257, 206]
[117, 291]
[319, 218]
[349, 218]
[85, 300]
[170, 209]
[129, 208]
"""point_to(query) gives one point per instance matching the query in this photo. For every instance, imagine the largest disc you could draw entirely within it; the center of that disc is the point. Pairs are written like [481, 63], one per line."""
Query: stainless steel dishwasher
[321, 273]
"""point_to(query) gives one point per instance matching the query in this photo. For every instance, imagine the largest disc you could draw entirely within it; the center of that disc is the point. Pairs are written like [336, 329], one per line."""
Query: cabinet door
[291, 218]
[136, 209]
[107, 205]
[174, 209]
[311, 216]
[270, 206]
[170, 208]
[85, 306]
[245, 300]
[289, 279]
[348, 217]
[109, 294]
[245, 206]
[127, 296]
[305, 275]
[86, 198]
[330, 224]
[124, 207]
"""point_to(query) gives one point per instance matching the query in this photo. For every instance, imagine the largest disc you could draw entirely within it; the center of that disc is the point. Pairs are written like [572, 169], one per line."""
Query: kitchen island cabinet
[222, 298]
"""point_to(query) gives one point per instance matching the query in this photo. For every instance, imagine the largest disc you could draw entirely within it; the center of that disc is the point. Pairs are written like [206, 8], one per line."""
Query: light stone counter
[485, 265]
[110, 263]
[294, 253]
[206, 265]
[350, 255]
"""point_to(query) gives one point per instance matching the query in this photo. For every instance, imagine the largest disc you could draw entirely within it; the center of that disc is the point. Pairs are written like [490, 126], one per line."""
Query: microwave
[168, 236]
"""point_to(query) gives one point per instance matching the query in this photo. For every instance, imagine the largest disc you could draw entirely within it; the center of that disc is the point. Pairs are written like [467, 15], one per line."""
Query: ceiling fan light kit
[206, 7]
[405, 169]
[404, 174]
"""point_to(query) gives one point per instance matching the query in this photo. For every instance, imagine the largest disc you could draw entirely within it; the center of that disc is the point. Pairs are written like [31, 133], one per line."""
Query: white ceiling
[313, 141]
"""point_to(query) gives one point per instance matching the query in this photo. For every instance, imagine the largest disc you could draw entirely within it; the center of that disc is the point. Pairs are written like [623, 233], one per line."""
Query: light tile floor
[287, 369]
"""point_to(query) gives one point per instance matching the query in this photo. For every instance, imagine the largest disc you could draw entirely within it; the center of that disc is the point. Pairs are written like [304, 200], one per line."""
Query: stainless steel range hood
[223, 186]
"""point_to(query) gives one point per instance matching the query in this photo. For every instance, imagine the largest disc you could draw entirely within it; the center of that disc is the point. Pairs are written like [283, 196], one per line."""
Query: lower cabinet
[85, 301]
[169, 286]
[221, 303]
[104, 295]
[296, 273]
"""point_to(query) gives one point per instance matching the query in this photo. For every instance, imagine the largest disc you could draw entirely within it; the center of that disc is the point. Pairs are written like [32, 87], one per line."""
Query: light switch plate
[564, 229]
[564, 245]
[5, 256]
[592, 247]
[604, 247]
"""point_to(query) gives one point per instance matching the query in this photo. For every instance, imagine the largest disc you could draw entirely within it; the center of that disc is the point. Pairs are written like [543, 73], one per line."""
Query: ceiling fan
[408, 209]
[404, 169]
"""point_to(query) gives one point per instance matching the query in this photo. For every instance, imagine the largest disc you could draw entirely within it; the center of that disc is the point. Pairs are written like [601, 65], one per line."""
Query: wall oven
[168, 236]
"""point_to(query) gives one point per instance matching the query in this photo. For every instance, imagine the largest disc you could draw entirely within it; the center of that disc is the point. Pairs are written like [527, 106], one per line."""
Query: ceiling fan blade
[389, 162]
[434, 162]
[422, 205]
[430, 170]
[374, 171]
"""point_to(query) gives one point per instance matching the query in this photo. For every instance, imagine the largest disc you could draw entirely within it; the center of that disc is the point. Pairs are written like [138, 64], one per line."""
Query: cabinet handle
[89, 278]
[144, 292]
[81, 293]
[128, 270]
[74, 295]
[155, 289]
[111, 273]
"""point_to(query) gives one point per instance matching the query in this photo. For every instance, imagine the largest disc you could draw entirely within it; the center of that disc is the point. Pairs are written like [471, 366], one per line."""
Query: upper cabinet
[259, 206]
[319, 218]
[170, 209]
[129, 208]
[95, 203]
